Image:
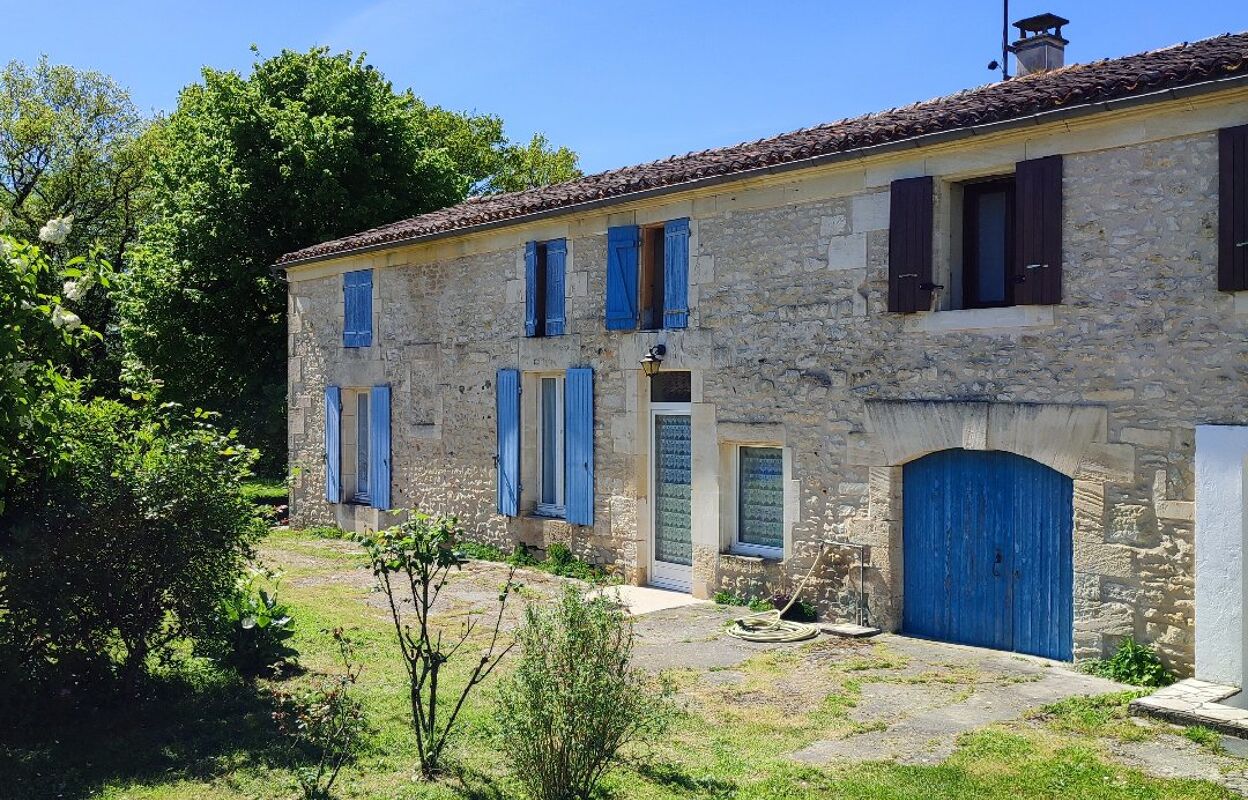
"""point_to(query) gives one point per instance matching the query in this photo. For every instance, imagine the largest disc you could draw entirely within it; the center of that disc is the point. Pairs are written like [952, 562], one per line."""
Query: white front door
[671, 563]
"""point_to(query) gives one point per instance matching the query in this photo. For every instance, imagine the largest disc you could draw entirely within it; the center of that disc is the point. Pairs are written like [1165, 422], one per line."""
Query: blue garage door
[987, 544]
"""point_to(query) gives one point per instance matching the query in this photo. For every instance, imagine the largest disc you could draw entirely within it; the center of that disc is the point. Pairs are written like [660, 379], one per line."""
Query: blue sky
[619, 82]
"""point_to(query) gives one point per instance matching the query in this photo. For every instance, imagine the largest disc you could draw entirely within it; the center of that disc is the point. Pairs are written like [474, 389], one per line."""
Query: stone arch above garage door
[1070, 439]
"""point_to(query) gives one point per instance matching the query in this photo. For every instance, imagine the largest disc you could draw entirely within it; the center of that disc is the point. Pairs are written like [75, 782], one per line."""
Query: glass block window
[673, 538]
[760, 497]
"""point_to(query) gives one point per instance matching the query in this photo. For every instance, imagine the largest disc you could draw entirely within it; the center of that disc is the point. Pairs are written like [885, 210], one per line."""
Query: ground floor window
[760, 500]
[550, 437]
[361, 447]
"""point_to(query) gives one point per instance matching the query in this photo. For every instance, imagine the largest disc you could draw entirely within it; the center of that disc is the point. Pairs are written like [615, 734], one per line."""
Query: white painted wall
[1221, 528]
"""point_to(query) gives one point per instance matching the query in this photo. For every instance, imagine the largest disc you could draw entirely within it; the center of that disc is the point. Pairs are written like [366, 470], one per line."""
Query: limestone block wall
[789, 335]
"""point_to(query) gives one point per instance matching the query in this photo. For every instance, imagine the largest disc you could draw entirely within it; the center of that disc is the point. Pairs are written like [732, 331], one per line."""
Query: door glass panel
[673, 541]
[760, 507]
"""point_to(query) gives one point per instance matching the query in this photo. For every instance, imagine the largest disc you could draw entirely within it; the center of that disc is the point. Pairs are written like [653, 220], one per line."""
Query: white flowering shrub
[38, 334]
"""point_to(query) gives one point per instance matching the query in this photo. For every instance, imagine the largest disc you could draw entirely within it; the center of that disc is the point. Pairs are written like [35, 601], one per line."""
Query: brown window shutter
[910, 245]
[1038, 231]
[1233, 209]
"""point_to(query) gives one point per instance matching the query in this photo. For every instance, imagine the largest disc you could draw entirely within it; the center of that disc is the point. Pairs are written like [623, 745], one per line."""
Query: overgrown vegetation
[753, 603]
[255, 627]
[1132, 663]
[1103, 715]
[560, 560]
[412, 561]
[127, 547]
[205, 734]
[323, 724]
[1205, 737]
[574, 699]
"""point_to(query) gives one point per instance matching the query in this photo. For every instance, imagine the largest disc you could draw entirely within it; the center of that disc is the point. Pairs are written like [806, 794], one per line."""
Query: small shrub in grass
[1132, 663]
[323, 725]
[255, 627]
[574, 700]
[411, 562]
[1206, 737]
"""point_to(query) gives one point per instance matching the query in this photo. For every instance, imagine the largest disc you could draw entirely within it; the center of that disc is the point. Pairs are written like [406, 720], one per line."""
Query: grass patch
[1102, 715]
[208, 737]
[266, 491]
[1205, 737]
[559, 561]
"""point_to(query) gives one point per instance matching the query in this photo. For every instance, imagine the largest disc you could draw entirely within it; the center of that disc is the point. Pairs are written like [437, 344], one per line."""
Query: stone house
[984, 356]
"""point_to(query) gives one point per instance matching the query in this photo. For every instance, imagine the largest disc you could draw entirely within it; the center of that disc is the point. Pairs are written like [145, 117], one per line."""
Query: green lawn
[207, 737]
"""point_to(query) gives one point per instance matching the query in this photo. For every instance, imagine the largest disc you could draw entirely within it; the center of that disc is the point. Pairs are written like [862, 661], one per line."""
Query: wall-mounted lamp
[653, 359]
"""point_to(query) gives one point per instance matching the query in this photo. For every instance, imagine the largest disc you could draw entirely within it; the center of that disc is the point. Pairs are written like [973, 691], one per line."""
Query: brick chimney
[1040, 46]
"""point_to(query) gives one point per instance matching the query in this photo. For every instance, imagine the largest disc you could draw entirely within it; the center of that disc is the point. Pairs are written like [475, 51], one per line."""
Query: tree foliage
[72, 145]
[38, 333]
[308, 147]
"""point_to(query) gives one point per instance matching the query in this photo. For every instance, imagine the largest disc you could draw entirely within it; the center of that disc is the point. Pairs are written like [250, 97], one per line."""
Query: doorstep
[1195, 702]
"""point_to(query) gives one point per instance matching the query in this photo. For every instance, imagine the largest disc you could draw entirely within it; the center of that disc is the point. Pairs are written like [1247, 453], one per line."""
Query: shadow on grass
[673, 777]
[190, 725]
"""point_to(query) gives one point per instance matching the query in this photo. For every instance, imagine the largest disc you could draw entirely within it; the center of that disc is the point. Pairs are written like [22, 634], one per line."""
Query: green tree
[73, 146]
[310, 146]
[38, 333]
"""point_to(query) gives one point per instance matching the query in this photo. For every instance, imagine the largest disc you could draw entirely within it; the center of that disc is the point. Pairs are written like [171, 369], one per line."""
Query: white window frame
[363, 445]
[742, 548]
[558, 508]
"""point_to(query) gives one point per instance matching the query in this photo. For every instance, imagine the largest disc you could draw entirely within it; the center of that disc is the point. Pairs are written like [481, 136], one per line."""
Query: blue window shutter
[530, 288]
[357, 307]
[578, 447]
[379, 447]
[676, 274]
[333, 444]
[508, 455]
[556, 263]
[623, 244]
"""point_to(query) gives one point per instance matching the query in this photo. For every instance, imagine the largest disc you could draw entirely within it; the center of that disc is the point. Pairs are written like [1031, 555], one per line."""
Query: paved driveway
[913, 696]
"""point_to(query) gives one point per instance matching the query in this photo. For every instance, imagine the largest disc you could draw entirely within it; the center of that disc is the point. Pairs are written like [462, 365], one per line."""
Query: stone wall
[790, 338]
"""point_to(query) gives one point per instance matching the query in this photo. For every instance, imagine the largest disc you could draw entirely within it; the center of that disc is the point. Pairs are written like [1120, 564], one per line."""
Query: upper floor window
[648, 276]
[544, 267]
[988, 248]
[357, 308]
[1006, 241]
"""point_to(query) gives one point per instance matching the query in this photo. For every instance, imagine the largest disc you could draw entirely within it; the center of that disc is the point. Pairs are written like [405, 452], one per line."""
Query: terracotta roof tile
[1099, 81]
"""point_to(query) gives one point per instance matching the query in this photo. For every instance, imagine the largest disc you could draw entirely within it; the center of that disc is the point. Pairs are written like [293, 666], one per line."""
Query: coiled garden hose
[770, 626]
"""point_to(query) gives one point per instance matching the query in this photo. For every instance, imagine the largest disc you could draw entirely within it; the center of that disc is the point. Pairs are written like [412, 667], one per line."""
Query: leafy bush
[324, 724]
[726, 598]
[411, 562]
[130, 547]
[1133, 663]
[37, 332]
[574, 700]
[559, 560]
[800, 611]
[254, 627]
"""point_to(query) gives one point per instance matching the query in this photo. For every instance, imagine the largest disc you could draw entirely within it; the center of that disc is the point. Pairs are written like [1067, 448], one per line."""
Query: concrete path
[638, 600]
[942, 691]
